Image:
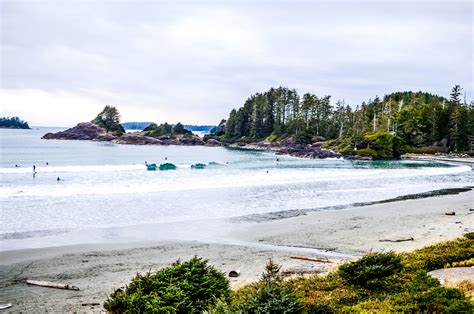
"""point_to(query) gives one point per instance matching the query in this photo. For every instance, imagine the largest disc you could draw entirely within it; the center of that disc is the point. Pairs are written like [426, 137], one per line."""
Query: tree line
[419, 119]
[13, 123]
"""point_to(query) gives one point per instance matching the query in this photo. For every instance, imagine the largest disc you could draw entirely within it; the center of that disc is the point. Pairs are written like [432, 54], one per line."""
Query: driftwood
[289, 272]
[50, 284]
[5, 306]
[311, 259]
[397, 240]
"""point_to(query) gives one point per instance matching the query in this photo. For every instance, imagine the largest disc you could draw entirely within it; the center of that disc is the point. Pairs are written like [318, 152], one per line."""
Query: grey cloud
[202, 59]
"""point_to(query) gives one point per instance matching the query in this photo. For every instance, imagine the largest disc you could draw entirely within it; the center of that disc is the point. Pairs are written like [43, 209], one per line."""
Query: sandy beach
[335, 234]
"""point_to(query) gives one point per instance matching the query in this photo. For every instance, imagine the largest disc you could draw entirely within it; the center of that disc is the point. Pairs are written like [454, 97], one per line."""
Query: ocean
[105, 189]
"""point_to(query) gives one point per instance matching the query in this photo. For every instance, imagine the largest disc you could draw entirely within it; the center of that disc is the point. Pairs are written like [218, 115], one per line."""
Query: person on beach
[59, 179]
[34, 168]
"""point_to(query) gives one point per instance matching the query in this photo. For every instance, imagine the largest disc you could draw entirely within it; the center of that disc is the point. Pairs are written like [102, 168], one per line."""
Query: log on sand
[311, 259]
[50, 284]
[397, 240]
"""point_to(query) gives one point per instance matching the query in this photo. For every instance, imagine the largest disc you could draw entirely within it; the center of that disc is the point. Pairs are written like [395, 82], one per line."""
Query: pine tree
[456, 94]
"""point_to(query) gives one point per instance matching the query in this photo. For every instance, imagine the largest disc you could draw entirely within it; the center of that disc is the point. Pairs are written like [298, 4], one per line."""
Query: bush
[184, 287]
[367, 152]
[269, 295]
[303, 138]
[426, 150]
[438, 255]
[371, 271]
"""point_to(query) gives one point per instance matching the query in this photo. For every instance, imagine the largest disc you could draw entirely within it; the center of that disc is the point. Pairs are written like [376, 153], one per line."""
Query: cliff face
[91, 132]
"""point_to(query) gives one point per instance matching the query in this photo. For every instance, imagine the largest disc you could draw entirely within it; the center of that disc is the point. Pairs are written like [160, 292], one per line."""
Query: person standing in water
[34, 168]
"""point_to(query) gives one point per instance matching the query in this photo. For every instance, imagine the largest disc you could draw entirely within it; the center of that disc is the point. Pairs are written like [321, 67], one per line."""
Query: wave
[150, 182]
[76, 168]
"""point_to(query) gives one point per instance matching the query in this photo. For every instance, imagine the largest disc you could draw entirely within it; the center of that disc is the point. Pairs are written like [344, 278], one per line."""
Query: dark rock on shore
[213, 143]
[82, 131]
[137, 139]
[313, 151]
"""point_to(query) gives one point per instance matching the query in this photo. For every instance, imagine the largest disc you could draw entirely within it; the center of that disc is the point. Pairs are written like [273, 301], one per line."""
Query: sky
[61, 62]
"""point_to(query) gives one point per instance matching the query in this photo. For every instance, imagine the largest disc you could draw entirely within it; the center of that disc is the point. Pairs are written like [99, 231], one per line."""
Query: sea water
[104, 186]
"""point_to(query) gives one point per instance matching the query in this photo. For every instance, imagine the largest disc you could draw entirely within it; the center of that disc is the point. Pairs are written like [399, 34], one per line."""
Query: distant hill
[13, 123]
[138, 126]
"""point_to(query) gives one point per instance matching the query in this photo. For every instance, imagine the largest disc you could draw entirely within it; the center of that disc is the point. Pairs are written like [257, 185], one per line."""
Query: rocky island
[13, 123]
[106, 128]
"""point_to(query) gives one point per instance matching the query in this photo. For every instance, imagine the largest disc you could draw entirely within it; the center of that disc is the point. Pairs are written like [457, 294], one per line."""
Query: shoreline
[98, 269]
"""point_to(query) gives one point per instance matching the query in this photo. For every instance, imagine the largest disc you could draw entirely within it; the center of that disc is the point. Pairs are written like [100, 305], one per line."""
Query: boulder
[213, 143]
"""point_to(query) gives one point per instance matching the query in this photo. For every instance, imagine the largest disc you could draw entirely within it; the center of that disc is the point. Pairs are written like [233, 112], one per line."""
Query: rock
[137, 139]
[450, 213]
[213, 143]
[190, 141]
[82, 131]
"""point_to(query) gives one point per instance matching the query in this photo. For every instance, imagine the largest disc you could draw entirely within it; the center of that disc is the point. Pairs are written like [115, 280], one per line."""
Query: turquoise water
[107, 186]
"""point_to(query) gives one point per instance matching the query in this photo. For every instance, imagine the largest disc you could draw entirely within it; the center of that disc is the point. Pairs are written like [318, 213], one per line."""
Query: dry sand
[97, 270]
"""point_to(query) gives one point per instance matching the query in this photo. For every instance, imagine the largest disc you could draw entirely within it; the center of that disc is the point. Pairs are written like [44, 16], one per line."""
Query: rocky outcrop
[313, 151]
[213, 143]
[137, 139]
[91, 132]
[82, 131]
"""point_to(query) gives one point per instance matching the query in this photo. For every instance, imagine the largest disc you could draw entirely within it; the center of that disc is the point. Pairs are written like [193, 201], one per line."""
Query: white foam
[75, 168]
[179, 180]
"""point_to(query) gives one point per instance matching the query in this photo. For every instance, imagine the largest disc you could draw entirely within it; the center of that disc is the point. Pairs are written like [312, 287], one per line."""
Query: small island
[106, 127]
[13, 123]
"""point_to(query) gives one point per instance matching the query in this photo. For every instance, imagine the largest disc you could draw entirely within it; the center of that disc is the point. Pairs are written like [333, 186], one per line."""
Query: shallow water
[107, 186]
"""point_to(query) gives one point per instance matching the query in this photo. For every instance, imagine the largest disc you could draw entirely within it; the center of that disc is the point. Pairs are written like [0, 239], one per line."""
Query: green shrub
[303, 138]
[367, 152]
[469, 235]
[371, 271]
[426, 150]
[385, 144]
[269, 295]
[438, 255]
[184, 287]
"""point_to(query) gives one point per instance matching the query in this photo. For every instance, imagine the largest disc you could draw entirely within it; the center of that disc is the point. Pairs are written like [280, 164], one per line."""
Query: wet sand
[337, 234]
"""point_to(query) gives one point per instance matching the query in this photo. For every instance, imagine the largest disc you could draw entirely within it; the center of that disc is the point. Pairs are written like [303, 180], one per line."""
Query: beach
[334, 234]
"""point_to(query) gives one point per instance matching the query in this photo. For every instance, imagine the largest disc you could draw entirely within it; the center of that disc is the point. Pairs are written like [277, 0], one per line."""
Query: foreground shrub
[438, 255]
[184, 287]
[269, 295]
[371, 271]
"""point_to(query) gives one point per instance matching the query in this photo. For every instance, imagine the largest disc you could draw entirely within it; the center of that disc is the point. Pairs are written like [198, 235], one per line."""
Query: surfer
[166, 158]
[16, 166]
[47, 163]
[58, 179]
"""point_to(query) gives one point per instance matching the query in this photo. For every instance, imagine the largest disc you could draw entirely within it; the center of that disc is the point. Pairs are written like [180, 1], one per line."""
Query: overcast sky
[193, 61]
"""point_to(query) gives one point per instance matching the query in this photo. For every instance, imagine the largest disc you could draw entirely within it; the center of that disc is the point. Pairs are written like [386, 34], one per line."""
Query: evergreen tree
[109, 119]
[456, 94]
